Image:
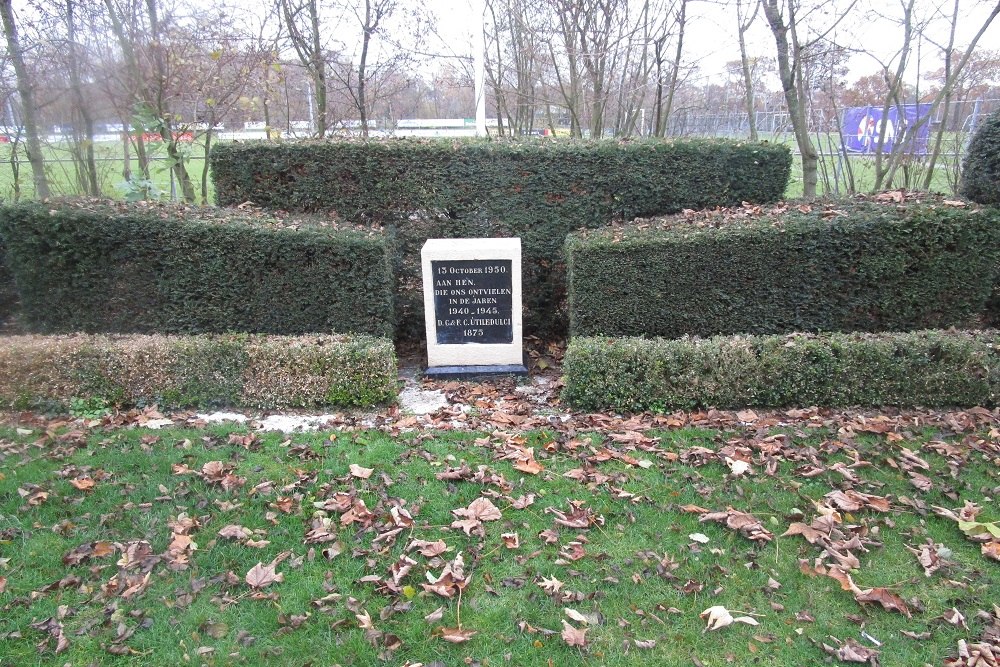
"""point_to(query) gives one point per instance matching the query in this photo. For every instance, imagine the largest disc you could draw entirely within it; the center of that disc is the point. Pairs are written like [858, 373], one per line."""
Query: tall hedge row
[132, 270]
[8, 290]
[538, 191]
[861, 267]
[922, 368]
[240, 370]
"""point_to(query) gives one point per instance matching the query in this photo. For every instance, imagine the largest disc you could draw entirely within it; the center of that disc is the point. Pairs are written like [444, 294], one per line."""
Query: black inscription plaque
[473, 301]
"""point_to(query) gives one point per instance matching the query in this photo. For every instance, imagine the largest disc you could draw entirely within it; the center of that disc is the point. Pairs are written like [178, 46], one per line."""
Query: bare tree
[664, 107]
[954, 65]
[744, 21]
[83, 136]
[29, 111]
[302, 27]
[787, 20]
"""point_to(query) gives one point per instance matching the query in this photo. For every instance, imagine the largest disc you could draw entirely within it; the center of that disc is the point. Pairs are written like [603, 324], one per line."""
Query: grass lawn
[110, 551]
[110, 165]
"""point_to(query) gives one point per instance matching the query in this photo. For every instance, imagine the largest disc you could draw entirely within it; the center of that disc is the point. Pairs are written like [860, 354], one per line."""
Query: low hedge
[164, 269]
[924, 368]
[252, 371]
[859, 267]
[536, 190]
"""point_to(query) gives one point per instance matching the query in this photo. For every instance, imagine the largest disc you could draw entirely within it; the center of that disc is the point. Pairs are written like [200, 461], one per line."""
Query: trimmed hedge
[863, 267]
[536, 190]
[160, 269]
[253, 371]
[8, 291]
[981, 167]
[924, 368]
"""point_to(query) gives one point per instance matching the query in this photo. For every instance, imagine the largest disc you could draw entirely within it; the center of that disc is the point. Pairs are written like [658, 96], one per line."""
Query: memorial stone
[472, 306]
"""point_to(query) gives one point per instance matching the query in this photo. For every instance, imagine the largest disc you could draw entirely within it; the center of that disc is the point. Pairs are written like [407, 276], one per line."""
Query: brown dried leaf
[360, 472]
[235, 532]
[261, 575]
[719, 617]
[83, 483]
[748, 526]
[511, 540]
[457, 635]
[574, 636]
[883, 596]
[811, 534]
[481, 508]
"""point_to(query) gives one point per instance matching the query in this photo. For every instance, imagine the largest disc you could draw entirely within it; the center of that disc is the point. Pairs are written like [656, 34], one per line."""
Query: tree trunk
[159, 107]
[790, 70]
[29, 112]
[88, 162]
[747, 75]
[362, 66]
[319, 71]
[675, 75]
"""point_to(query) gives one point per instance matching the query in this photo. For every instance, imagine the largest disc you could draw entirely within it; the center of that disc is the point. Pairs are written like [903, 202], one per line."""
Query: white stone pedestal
[472, 306]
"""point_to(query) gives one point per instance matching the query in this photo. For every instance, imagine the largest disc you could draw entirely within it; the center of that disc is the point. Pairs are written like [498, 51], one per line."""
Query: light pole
[479, 65]
[312, 111]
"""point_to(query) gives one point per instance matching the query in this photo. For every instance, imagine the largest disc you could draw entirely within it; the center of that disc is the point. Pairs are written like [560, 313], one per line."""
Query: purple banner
[862, 124]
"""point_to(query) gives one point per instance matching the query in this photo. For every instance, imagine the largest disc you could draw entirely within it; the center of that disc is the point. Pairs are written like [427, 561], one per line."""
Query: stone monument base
[465, 372]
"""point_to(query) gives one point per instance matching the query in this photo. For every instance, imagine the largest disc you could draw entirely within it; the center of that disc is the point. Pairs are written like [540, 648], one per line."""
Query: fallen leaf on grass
[574, 636]
[481, 508]
[748, 525]
[83, 483]
[451, 581]
[261, 575]
[360, 472]
[928, 555]
[54, 628]
[851, 651]
[551, 585]
[577, 517]
[811, 534]
[883, 596]
[991, 550]
[428, 549]
[719, 617]
[955, 617]
[853, 501]
[87, 551]
[235, 532]
[457, 635]
[738, 466]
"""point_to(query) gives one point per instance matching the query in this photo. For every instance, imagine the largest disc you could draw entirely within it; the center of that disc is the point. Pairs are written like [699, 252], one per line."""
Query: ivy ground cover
[780, 539]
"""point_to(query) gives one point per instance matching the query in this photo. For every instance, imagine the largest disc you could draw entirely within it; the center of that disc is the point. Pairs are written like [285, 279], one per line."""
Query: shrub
[861, 267]
[166, 269]
[536, 190]
[255, 371]
[981, 167]
[925, 368]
